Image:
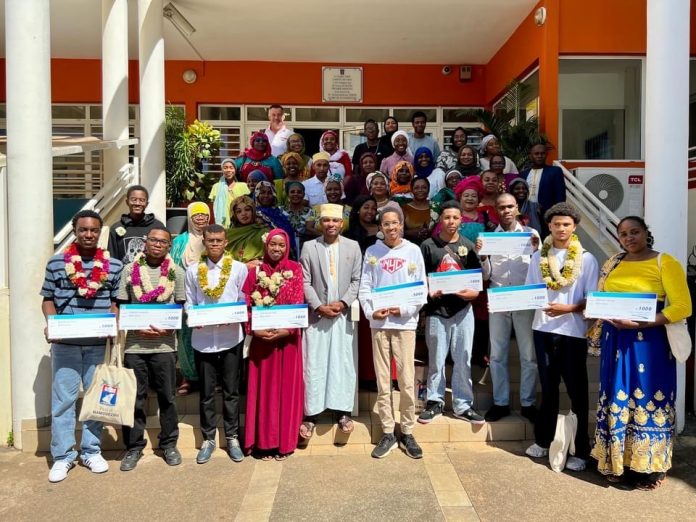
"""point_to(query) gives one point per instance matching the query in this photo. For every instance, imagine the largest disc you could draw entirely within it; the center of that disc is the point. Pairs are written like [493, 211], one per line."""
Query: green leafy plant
[10, 439]
[186, 150]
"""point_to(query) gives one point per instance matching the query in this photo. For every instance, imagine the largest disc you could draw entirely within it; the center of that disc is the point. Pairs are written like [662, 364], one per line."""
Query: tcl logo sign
[635, 179]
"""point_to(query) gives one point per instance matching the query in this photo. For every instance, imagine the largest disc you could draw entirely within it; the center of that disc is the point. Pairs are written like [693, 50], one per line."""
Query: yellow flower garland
[552, 275]
[215, 292]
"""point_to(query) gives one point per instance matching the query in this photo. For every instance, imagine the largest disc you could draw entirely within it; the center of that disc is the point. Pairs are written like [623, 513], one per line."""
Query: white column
[667, 137]
[151, 58]
[28, 67]
[114, 82]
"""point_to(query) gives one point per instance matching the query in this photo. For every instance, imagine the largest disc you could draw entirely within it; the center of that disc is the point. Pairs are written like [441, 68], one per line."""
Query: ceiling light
[178, 20]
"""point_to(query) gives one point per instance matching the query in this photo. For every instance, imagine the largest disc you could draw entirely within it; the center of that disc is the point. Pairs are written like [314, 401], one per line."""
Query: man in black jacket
[127, 237]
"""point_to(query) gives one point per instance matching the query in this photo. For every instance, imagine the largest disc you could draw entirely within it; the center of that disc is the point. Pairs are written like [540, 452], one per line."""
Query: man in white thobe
[331, 266]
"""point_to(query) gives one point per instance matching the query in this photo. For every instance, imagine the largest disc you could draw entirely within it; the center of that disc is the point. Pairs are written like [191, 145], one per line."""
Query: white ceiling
[357, 31]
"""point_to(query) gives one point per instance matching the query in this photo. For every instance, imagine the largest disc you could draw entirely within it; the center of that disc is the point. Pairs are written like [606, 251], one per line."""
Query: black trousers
[156, 371]
[561, 356]
[226, 366]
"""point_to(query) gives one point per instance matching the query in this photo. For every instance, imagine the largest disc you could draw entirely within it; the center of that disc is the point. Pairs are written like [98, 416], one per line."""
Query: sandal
[345, 423]
[282, 456]
[651, 481]
[307, 430]
[184, 388]
[615, 479]
[267, 458]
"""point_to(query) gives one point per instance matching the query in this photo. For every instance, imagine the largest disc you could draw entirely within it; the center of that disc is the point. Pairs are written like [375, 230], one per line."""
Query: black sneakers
[431, 412]
[471, 416]
[384, 446]
[172, 456]
[497, 412]
[411, 447]
[131, 459]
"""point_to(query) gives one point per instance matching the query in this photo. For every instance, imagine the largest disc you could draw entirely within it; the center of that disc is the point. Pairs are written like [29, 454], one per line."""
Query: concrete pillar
[548, 75]
[151, 63]
[667, 114]
[28, 68]
[114, 82]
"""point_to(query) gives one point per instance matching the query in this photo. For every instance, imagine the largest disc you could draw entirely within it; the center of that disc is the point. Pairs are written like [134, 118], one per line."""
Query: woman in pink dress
[275, 394]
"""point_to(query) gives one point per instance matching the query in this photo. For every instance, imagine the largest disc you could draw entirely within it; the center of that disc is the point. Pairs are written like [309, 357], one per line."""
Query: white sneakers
[97, 463]
[536, 452]
[59, 470]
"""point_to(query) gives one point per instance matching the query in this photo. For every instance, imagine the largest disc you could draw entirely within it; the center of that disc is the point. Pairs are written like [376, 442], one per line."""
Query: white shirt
[572, 324]
[507, 270]
[314, 191]
[278, 140]
[533, 180]
[209, 339]
[510, 167]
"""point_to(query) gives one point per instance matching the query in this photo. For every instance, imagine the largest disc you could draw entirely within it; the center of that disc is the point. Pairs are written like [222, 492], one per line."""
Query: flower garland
[142, 286]
[215, 292]
[552, 275]
[75, 271]
[269, 286]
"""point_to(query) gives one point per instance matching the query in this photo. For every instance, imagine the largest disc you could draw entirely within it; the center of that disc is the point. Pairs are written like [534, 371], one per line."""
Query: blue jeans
[72, 365]
[453, 335]
[500, 325]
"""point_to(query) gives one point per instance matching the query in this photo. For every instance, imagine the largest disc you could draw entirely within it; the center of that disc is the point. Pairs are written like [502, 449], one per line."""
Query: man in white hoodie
[393, 261]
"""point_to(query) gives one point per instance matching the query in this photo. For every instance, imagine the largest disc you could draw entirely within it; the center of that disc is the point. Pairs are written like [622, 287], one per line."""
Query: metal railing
[599, 215]
[103, 202]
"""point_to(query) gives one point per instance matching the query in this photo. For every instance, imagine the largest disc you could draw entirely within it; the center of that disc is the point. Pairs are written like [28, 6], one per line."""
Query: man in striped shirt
[67, 291]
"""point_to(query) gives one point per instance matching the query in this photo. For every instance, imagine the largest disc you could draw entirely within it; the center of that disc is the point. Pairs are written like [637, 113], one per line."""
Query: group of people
[285, 229]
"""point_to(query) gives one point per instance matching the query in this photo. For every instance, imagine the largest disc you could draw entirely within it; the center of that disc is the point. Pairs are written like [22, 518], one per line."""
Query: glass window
[216, 113]
[600, 109]
[261, 114]
[362, 115]
[403, 116]
[68, 112]
[473, 136]
[459, 115]
[317, 114]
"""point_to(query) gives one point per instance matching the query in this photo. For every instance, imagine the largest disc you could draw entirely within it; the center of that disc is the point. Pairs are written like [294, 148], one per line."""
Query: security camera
[446, 69]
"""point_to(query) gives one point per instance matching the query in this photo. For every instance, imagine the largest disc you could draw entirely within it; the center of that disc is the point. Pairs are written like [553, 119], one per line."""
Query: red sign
[635, 179]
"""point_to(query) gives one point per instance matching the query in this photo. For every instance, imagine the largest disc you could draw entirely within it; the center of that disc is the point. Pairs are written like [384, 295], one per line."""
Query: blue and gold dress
[635, 414]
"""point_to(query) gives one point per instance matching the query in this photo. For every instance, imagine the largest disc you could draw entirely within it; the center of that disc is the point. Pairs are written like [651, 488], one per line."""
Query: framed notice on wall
[342, 84]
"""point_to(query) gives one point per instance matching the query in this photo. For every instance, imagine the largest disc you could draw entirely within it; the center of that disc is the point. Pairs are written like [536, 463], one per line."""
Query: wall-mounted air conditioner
[621, 190]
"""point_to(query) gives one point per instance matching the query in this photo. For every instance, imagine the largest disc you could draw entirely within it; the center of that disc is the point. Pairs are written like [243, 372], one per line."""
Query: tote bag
[677, 333]
[111, 396]
[563, 441]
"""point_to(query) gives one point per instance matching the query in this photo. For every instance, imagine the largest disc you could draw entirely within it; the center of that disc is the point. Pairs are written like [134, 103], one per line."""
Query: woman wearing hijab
[296, 144]
[378, 185]
[339, 159]
[258, 157]
[489, 147]
[254, 177]
[225, 191]
[467, 161]
[400, 143]
[384, 146]
[244, 237]
[333, 188]
[186, 250]
[355, 185]
[529, 210]
[267, 205]
[275, 391]
[400, 182]
[297, 210]
[452, 178]
[448, 158]
[424, 166]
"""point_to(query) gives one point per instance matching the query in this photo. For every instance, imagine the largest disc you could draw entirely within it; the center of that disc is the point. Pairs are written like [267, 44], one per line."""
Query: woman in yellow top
[225, 191]
[635, 416]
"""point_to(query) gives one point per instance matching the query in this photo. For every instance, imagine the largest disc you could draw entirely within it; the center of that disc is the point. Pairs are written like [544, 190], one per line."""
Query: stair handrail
[603, 218]
[110, 195]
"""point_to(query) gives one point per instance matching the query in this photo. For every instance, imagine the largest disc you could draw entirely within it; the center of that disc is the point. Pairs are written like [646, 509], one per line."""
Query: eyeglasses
[157, 241]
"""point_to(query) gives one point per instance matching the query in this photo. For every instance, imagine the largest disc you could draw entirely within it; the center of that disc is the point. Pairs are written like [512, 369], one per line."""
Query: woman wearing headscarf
[267, 205]
[253, 179]
[339, 159]
[452, 178]
[355, 185]
[400, 142]
[297, 210]
[529, 210]
[378, 185]
[275, 390]
[385, 148]
[333, 188]
[467, 161]
[490, 146]
[244, 237]
[186, 250]
[225, 191]
[296, 144]
[424, 165]
[448, 158]
[400, 182]
[258, 157]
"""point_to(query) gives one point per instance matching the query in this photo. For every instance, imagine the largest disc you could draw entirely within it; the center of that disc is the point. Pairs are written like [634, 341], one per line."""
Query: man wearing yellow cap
[314, 186]
[331, 266]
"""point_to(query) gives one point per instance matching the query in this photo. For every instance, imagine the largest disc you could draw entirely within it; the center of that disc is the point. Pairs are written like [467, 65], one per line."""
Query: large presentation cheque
[142, 317]
[217, 313]
[506, 243]
[455, 281]
[81, 326]
[513, 298]
[279, 316]
[399, 295]
[621, 305]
